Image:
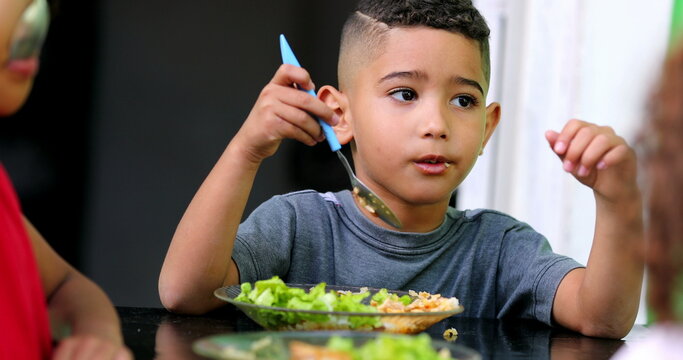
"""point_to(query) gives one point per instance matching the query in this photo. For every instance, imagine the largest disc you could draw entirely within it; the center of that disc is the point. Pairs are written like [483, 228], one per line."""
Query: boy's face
[16, 77]
[418, 116]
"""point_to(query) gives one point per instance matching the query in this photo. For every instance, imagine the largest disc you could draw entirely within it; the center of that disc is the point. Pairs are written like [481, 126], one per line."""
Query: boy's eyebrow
[403, 74]
[465, 81]
[459, 80]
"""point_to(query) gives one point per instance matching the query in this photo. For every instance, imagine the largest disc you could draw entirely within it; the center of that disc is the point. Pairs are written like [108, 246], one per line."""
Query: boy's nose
[435, 127]
[436, 134]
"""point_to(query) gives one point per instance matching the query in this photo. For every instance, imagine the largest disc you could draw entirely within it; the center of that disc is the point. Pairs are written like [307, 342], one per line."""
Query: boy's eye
[403, 94]
[464, 101]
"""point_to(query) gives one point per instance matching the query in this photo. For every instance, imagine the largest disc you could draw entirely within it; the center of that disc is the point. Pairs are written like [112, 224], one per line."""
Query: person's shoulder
[306, 198]
[287, 207]
[495, 220]
[305, 195]
[300, 194]
[488, 215]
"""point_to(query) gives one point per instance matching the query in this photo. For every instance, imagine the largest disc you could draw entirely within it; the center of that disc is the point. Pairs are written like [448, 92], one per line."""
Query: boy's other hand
[90, 347]
[597, 157]
[282, 111]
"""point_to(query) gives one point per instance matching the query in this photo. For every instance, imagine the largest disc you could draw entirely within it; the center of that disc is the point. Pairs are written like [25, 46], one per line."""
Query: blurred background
[136, 101]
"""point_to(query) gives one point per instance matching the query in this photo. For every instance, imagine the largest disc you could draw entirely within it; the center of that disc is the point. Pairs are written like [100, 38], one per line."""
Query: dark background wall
[135, 102]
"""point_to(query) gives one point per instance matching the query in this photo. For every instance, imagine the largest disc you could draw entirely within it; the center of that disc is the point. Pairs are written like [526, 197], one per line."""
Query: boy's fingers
[594, 153]
[578, 144]
[551, 136]
[567, 135]
[600, 145]
[293, 132]
[290, 131]
[290, 75]
[307, 130]
[293, 75]
[613, 156]
[312, 105]
[298, 110]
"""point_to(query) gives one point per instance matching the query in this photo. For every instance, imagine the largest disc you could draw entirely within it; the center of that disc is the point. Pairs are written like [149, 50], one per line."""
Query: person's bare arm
[602, 299]
[198, 260]
[76, 304]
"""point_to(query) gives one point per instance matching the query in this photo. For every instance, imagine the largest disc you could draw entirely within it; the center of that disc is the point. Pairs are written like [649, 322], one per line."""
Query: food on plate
[416, 302]
[275, 293]
[282, 307]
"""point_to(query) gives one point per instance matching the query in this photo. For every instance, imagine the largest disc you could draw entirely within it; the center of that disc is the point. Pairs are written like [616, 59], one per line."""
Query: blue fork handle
[289, 58]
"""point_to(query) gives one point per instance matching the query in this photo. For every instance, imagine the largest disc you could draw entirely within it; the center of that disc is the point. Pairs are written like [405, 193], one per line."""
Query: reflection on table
[158, 334]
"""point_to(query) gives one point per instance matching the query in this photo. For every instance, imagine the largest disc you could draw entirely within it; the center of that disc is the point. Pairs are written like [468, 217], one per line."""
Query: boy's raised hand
[602, 299]
[282, 111]
[597, 157]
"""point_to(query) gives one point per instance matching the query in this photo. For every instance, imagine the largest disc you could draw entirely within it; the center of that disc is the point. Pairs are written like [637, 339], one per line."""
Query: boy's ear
[338, 102]
[492, 119]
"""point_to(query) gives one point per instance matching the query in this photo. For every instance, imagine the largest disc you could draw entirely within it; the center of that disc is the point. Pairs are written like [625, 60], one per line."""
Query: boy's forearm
[198, 259]
[610, 292]
[85, 309]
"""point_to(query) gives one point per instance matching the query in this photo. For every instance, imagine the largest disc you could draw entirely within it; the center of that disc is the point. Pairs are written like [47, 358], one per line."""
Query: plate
[281, 319]
[275, 345]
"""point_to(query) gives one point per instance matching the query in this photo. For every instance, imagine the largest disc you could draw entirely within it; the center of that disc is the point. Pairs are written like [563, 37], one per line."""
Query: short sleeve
[264, 241]
[529, 273]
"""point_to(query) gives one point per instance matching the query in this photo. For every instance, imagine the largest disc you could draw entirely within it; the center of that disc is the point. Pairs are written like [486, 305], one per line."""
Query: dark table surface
[158, 334]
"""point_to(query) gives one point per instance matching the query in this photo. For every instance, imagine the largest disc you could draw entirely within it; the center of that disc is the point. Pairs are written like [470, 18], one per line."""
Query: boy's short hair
[365, 29]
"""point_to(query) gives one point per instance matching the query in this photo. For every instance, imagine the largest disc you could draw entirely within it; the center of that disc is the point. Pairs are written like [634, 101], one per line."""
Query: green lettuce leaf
[274, 292]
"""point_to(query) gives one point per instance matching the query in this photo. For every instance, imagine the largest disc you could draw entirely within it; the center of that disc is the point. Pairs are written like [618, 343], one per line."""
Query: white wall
[553, 61]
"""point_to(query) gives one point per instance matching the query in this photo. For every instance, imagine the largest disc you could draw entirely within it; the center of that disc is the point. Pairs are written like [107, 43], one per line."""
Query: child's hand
[280, 112]
[597, 157]
[91, 348]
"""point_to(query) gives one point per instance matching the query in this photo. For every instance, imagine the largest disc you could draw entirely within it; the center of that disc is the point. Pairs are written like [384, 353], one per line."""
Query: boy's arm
[198, 260]
[602, 299]
[94, 330]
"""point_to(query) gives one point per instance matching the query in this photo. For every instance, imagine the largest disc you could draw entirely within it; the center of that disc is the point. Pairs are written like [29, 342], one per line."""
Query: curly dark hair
[456, 16]
[661, 149]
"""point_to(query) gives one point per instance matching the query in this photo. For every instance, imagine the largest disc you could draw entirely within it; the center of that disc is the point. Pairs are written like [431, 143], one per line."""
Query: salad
[275, 305]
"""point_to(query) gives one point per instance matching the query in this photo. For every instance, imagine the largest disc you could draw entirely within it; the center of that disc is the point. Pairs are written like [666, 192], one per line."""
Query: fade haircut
[365, 30]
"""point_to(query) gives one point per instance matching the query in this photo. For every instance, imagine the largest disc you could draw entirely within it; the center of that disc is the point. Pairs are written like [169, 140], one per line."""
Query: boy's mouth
[433, 164]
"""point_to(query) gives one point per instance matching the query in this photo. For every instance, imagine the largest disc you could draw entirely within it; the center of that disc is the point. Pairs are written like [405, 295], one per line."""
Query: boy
[413, 77]
[35, 278]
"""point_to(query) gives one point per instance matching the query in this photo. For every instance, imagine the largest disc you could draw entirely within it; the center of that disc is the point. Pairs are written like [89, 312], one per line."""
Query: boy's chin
[427, 197]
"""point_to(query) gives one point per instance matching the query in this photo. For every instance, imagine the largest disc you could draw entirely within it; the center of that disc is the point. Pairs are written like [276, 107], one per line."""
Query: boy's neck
[417, 219]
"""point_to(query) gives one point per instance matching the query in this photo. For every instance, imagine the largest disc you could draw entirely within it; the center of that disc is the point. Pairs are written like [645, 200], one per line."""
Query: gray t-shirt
[495, 265]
